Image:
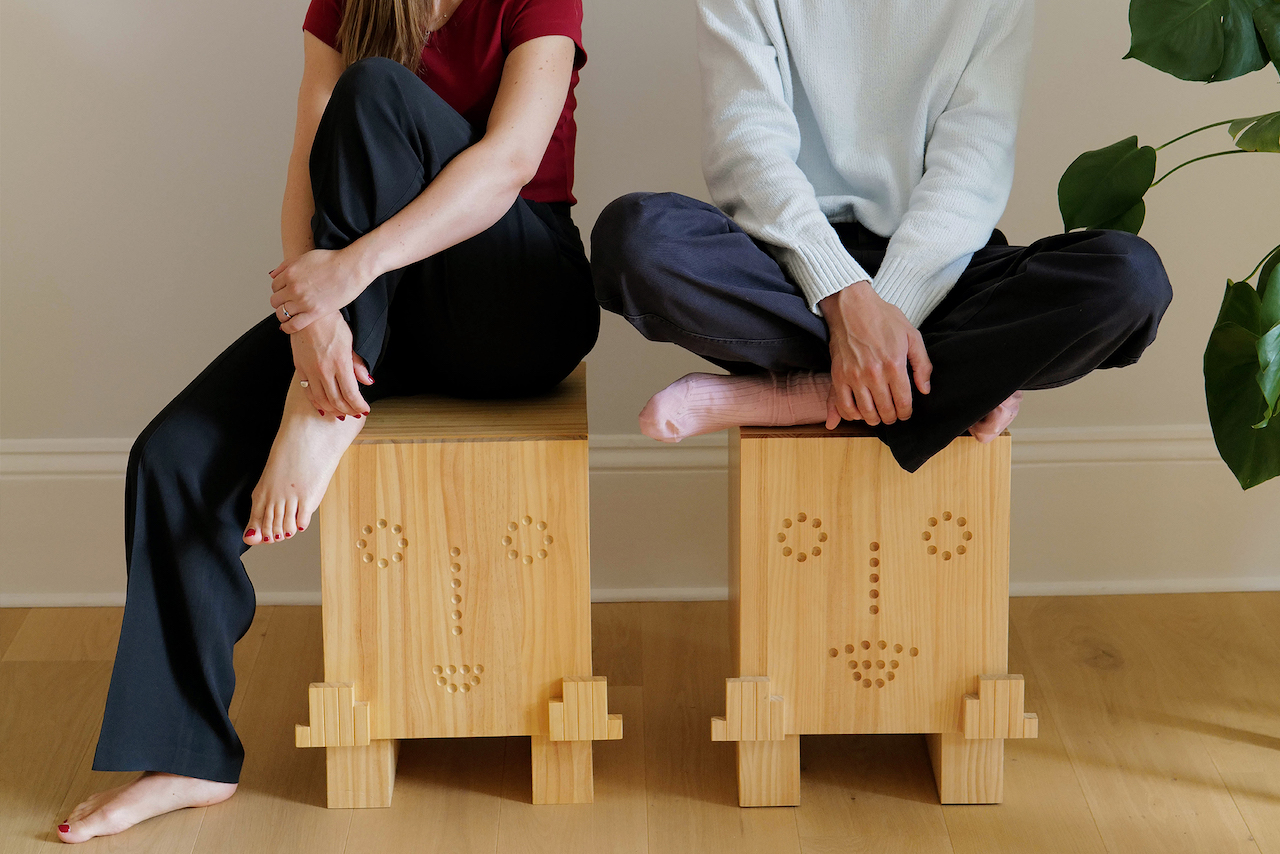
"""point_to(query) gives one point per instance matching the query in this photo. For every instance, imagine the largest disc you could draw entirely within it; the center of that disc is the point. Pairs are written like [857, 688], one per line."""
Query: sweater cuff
[909, 288]
[822, 267]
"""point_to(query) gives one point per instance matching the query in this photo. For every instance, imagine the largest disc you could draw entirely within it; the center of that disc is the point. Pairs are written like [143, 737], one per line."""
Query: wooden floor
[1159, 732]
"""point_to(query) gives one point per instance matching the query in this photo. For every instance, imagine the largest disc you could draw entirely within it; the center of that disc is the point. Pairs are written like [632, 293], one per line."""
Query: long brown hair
[396, 29]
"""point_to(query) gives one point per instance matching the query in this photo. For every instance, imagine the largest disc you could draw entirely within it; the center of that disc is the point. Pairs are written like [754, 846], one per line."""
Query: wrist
[859, 292]
[365, 260]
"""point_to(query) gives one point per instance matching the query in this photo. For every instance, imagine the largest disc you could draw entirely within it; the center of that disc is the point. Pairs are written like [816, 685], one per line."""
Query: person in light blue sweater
[860, 154]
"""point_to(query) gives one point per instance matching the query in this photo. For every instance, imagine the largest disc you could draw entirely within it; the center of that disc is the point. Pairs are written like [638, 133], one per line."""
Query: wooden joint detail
[581, 713]
[752, 711]
[336, 719]
[996, 711]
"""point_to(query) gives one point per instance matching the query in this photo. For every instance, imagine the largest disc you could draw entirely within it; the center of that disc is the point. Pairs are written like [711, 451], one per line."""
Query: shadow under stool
[455, 583]
[864, 599]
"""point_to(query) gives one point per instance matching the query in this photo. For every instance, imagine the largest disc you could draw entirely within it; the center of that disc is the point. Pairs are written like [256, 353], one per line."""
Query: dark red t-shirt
[462, 62]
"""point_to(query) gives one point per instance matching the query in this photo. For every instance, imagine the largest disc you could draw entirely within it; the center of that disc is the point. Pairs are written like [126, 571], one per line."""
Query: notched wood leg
[562, 772]
[968, 770]
[361, 776]
[769, 773]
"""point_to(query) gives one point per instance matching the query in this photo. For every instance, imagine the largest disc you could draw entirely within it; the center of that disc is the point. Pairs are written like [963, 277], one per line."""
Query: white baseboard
[1150, 505]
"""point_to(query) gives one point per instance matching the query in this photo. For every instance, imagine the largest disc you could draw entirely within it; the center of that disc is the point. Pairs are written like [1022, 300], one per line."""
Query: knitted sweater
[897, 114]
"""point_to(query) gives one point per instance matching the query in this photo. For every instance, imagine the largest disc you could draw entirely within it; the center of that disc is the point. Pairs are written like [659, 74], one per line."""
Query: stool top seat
[561, 414]
[813, 431]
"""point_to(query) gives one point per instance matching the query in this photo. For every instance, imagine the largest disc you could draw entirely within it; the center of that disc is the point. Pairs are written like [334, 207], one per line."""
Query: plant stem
[1197, 130]
[1201, 157]
[1265, 259]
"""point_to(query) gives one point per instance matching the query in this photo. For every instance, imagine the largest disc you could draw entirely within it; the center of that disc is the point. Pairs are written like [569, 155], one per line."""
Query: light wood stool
[867, 600]
[456, 592]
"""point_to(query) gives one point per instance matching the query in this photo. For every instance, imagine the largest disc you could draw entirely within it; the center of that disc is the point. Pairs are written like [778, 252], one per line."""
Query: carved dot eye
[506, 541]
[946, 517]
[848, 648]
[382, 523]
[817, 523]
[513, 554]
[397, 557]
[874, 578]
[802, 557]
[866, 683]
[946, 555]
[933, 550]
[437, 670]
[368, 558]
[889, 676]
[479, 668]
[875, 594]
[786, 552]
[441, 681]
[361, 543]
[403, 542]
[786, 523]
[455, 567]
[455, 599]
[879, 683]
[451, 670]
[546, 541]
[897, 647]
[466, 668]
[542, 553]
[366, 530]
[960, 549]
[866, 644]
[962, 521]
[853, 665]
[542, 526]
[528, 520]
[914, 652]
[822, 537]
[882, 644]
[511, 526]
[817, 550]
[875, 609]
[475, 680]
[894, 664]
[880, 665]
[833, 652]
[395, 529]
[968, 535]
[453, 689]
[457, 630]
[926, 535]
[866, 665]
[527, 559]
[875, 561]
[875, 547]
[800, 517]
[782, 538]
[455, 583]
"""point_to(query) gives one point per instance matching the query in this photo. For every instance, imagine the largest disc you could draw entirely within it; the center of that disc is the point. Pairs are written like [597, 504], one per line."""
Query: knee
[626, 241]
[1133, 282]
[369, 80]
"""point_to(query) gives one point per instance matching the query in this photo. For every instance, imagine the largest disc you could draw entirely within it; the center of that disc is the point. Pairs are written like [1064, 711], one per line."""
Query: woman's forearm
[470, 194]
[297, 208]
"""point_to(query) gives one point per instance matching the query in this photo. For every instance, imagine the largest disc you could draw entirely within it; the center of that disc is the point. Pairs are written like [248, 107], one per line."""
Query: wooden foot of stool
[361, 776]
[769, 773]
[968, 770]
[562, 772]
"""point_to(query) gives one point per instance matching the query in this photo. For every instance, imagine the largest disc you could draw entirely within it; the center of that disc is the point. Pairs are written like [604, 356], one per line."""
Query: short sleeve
[323, 19]
[530, 19]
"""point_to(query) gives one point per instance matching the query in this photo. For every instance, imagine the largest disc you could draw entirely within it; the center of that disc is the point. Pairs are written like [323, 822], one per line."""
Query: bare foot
[303, 458]
[997, 420]
[705, 403]
[150, 795]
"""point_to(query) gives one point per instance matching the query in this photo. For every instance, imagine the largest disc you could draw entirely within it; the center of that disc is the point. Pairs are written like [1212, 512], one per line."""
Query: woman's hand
[315, 284]
[872, 343]
[322, 356]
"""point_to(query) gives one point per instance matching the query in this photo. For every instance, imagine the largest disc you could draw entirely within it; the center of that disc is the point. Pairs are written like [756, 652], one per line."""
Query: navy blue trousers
[1030, 317]
[508, 313]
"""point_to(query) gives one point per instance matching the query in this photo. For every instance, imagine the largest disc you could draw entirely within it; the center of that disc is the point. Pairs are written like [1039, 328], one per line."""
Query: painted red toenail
[342, 418]
[287, 536]
[277, 536]
[366, 413]
[251, 532]
[302, 529]
[64, 828]
[322, 412]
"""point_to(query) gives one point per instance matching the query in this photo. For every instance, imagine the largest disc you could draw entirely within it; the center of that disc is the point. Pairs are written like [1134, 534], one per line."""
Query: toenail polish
[357, 415]
[366, 413]
[342, 418]
[287, 535]
[64, 828]
[321, 412]
[277, 536]
[251, 532]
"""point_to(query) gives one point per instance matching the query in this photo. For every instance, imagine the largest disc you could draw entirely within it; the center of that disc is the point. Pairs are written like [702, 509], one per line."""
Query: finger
[867, 406]
[331, 390]
[921, 367]
[313, 396]
[883, 398]
[351, 394]
[833, 415]
[900, 388]
[362, 372]
[298, 322]
[845, 405]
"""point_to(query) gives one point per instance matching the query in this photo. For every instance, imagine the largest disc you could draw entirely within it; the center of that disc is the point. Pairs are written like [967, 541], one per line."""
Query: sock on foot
[704, 403]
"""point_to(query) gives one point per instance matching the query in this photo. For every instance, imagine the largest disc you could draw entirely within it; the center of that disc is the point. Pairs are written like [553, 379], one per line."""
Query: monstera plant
[1208, 41]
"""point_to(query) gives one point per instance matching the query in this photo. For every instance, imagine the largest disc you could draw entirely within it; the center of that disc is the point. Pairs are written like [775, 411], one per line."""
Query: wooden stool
[456, 592]
[867, 600]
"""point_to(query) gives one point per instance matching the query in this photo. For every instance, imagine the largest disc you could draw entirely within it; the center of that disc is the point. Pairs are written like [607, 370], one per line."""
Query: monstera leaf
[1104, 188]
[1199, 39]
[1242, 382]
[1267, 19]
[1257, 133]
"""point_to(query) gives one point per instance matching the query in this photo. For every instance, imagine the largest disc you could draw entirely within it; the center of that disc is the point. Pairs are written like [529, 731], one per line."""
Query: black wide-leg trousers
[1031, 317]
[508, 313]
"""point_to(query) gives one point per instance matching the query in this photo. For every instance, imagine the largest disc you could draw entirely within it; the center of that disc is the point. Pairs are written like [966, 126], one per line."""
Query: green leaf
[1130, 221]
[1232, 393]
[1184, 38]
[1243, 49]
[1104, 186]
[1267, 19]
[1268, 376]
[1257, 133]
[1269, 278]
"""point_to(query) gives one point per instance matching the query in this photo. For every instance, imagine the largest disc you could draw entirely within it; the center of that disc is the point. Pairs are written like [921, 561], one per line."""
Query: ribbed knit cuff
[909, 288]
[821, 266]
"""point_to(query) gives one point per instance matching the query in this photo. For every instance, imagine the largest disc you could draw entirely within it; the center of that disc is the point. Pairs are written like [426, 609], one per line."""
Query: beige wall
[142, 150]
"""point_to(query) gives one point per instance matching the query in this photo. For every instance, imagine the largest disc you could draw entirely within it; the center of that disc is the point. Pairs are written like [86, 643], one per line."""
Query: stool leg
[361, 776]
[968, 770]
[769, 773]
[562, 771]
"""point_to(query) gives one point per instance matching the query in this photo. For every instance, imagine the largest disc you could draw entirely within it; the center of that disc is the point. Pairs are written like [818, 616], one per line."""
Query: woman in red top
[427, 241]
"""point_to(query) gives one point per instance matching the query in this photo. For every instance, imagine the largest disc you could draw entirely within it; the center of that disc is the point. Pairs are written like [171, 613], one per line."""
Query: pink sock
[705, 403]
